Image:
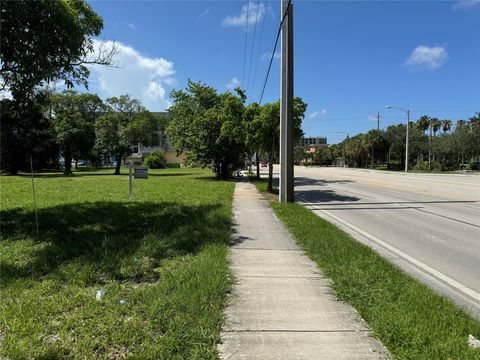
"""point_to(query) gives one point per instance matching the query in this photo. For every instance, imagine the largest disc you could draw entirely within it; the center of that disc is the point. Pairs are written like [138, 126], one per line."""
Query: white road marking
[424, 267]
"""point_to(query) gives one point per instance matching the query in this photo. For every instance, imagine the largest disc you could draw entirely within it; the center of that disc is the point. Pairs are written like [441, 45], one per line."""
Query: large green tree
[265, 128]
[210, 126]
[73, 117]
[126, 122]
[26, 132]
[45, 41]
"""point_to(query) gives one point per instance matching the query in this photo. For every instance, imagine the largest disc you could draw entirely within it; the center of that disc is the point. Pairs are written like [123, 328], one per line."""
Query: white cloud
[232, 84]
[266, 56]
[316, 114]
[131, 25]
[427, 57]
[142, 77]
[251, 13]
[465, 4]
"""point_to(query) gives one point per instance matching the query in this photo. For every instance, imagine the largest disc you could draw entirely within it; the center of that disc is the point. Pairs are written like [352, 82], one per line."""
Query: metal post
[378, 121]
[33, 192]
[406, 142]
[430, 143]
[286, 106]
[130, 192]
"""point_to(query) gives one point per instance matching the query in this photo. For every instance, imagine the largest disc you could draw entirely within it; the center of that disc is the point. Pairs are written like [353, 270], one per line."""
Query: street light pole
[406, 137]
[406, 142]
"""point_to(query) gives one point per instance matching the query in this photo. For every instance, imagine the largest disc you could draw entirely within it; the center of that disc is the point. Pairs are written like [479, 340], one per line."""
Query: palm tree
[423, 123]
[436, 125]
[446, 125]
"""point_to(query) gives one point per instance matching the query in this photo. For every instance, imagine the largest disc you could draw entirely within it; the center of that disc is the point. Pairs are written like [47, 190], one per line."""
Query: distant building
[138, 150]
[313, 141]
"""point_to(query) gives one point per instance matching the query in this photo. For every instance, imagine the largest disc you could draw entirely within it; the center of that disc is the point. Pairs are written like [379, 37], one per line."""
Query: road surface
[428, 224]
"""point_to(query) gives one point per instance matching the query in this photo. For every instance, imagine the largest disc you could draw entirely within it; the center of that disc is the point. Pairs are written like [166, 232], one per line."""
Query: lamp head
[388, 107]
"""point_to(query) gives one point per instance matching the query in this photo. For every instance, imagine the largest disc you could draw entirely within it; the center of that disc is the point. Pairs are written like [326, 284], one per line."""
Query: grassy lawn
[161, 259]
[412, 321]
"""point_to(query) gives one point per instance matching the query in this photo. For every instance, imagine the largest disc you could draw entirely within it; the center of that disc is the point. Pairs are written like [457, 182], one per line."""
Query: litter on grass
[100, 294]
[122, 302]
[473, 343]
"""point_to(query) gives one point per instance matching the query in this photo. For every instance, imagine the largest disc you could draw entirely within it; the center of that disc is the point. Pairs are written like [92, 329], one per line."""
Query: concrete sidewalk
[281, 306]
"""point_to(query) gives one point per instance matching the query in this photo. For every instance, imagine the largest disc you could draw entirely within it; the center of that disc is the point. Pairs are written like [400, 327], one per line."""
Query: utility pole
[286, 105]
[378, 121]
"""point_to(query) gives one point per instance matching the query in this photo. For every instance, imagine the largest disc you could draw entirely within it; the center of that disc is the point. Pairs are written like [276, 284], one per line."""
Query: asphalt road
[427, 224]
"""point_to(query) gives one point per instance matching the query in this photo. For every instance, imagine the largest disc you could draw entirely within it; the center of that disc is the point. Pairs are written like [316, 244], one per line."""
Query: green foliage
[156, 160]
[209, 126]
[426, 166]
[452, 149]
[26, 131]
[73, 122]
[125, 122]
[164, 254]
[264, 130]
[47, 40]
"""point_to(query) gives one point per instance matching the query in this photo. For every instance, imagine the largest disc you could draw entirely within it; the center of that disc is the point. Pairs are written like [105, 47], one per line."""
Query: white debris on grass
[100, 293]
[473, 343]
[122, 302]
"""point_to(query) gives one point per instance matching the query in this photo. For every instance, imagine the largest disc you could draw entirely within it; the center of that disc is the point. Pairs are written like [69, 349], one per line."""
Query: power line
[259, 46]
[245, 48]
[253, 47]
[274, 49]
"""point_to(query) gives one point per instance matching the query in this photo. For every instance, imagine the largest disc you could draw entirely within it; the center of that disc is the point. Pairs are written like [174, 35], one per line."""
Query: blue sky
[351, 58]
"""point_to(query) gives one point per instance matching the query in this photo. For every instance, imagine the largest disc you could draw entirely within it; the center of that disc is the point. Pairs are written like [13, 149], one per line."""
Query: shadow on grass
[110, 240]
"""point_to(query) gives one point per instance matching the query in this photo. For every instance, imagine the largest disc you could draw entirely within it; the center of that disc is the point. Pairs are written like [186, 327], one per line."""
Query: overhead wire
[274, 49]
[259, 45]
[253, 46]
[245, 47]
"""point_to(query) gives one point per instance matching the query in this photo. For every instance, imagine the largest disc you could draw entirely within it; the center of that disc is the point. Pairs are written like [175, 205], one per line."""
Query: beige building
[140, 151]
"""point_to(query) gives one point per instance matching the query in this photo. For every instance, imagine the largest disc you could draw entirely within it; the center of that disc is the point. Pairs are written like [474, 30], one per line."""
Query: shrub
[173, 166]
[156, 160]
[426, 166]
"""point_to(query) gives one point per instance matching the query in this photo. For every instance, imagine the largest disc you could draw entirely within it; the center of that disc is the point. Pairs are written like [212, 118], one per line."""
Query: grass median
[411, 320]
[160, 258]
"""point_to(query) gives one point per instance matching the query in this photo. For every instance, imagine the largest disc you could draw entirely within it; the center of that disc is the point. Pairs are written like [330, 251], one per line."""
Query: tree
[210, 126]
[374, 141]
[48, 40]
[423, 123]
[266, 129]
[251, 141]
[446, 125]
[436, 125]
[126, 122]
[26, 132]
[73, 117]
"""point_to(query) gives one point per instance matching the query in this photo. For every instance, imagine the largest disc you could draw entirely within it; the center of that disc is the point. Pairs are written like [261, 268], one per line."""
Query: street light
[406, 140]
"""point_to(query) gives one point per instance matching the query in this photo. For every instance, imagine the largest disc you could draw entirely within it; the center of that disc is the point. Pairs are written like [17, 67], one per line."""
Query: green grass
[412, 321]
[161, 259]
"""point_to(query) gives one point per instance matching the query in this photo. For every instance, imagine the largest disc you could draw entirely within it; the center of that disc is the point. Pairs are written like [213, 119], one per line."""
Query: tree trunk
[68, 162]
[257, 160]
[76, 164]
[373, 158]
[224, 171]
[117, 166]
[270, 175]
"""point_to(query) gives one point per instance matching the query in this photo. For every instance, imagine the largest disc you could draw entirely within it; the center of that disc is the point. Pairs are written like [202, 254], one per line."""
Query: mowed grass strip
[411, 320]
[161, 259]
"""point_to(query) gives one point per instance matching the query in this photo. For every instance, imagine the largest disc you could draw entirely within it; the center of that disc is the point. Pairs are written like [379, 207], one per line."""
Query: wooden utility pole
[286, 105]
